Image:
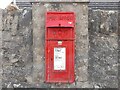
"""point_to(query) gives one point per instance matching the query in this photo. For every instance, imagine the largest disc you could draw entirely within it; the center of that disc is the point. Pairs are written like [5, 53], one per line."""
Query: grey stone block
[81, 11]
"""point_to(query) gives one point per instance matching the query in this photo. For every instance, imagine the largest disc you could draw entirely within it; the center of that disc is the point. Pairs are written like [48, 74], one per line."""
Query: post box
[59, 47]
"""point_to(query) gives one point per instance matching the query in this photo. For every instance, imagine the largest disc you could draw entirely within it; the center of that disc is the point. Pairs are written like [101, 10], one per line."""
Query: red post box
[59, 47]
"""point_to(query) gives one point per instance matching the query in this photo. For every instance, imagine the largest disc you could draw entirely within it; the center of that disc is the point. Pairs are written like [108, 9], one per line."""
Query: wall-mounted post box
[59, 47]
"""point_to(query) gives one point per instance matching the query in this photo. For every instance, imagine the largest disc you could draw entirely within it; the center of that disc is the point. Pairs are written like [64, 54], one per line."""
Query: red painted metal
[59, 35]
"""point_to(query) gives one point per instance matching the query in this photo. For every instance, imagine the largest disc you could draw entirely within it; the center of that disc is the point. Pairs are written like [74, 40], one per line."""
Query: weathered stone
[82, 74]
[29, 79]
[119, 47]
[6, 35]
[17, 51]
[83, 85]
[13, 60]
[1, 28]
[14, 25]
[7, 21]
[103, 53]
[81, 11]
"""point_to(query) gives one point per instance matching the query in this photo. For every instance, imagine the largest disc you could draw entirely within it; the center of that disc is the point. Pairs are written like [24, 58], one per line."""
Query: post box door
[60, 61]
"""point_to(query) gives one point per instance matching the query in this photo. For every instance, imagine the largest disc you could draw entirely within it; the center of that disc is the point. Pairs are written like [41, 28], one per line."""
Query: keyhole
[59, 24]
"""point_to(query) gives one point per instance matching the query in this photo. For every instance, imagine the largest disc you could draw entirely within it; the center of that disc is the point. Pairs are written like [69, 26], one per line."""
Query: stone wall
[17, 48]
[22, 40]
[119, 47]
[103, 52]
[1, 48]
